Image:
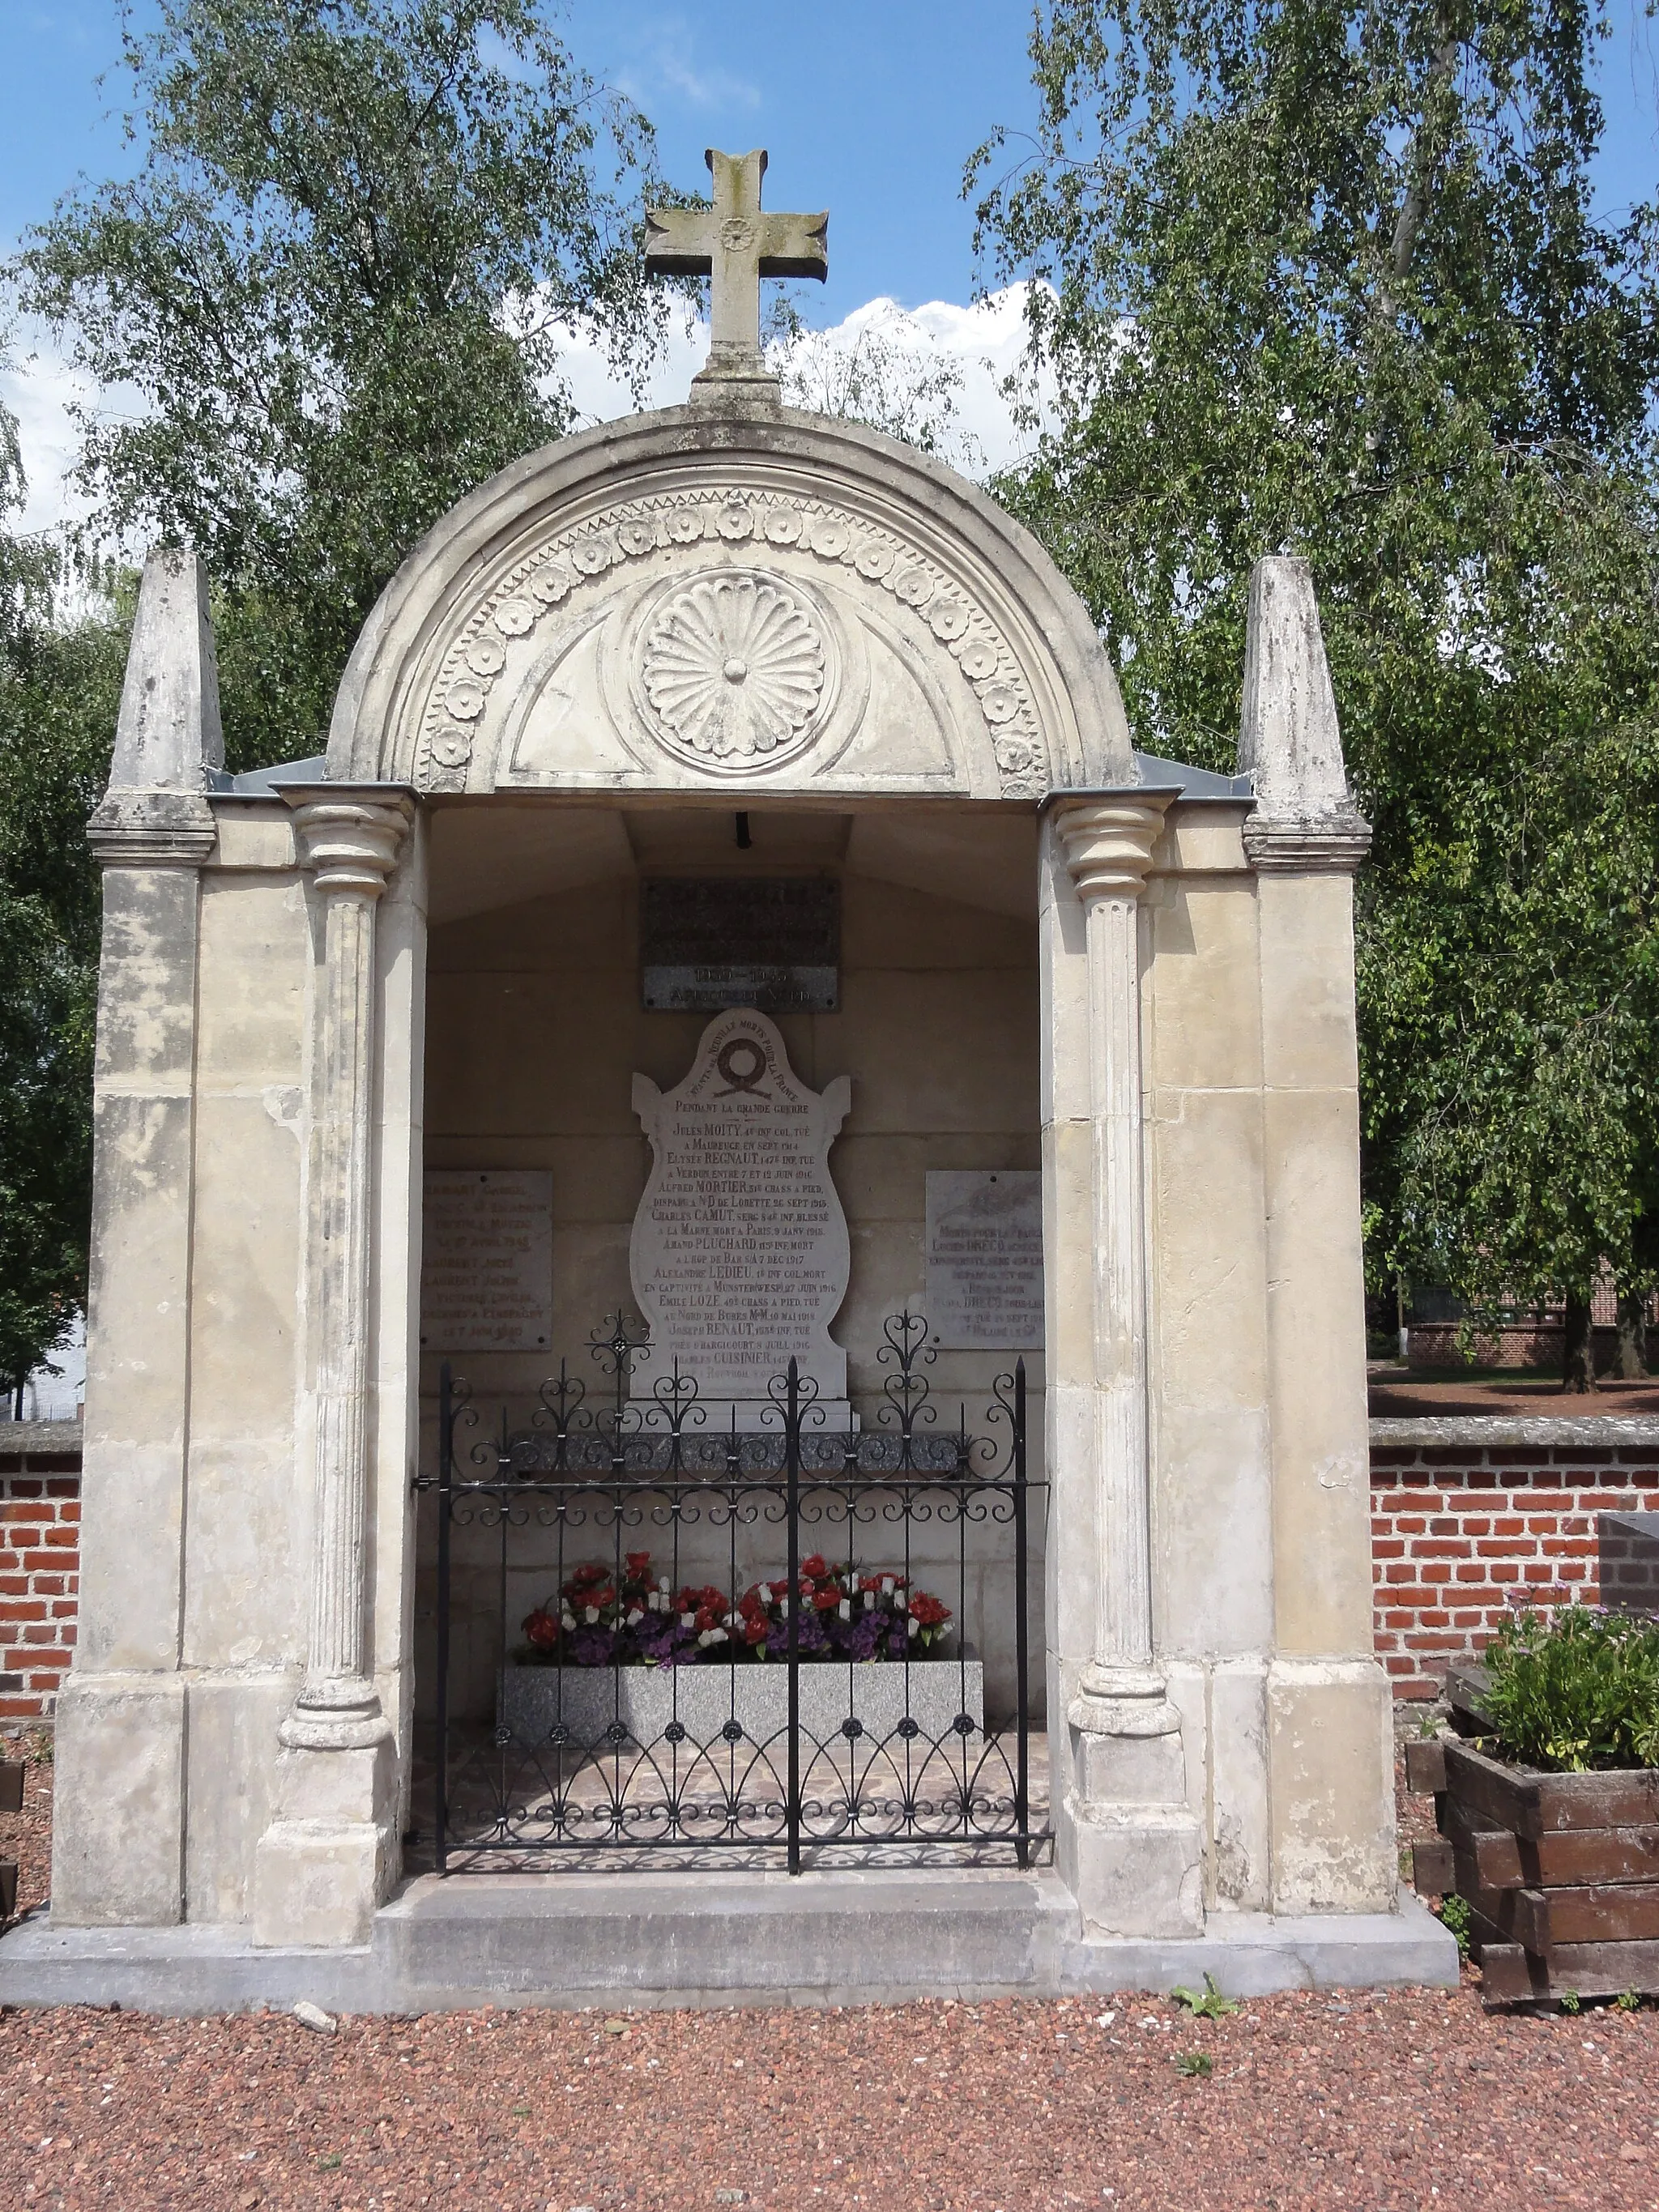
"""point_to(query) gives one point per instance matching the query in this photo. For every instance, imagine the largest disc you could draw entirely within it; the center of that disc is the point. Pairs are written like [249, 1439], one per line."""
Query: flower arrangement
[634, 1619]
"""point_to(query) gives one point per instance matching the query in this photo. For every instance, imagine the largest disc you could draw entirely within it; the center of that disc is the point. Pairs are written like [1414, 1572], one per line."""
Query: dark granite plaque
[770, 942]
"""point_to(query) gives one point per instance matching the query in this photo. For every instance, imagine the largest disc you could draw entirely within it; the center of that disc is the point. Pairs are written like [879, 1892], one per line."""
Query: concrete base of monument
[717, 1939]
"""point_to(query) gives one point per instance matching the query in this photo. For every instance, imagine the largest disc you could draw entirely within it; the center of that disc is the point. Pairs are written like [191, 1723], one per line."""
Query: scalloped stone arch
[998, 685]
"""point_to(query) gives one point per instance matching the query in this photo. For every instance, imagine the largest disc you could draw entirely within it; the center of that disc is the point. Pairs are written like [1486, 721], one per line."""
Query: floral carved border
[751, 520]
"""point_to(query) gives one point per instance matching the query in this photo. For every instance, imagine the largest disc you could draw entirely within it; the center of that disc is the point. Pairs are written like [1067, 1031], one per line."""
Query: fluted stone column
[326, 1862]
[1128, 1846]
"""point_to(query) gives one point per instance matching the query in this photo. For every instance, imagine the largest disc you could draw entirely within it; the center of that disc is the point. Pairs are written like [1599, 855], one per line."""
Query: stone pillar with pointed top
[117, 1854]
[1328, 1708]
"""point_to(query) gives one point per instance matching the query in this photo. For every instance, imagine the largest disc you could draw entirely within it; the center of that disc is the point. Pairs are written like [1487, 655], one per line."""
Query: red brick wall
[39, 1562]
[1469, 1518]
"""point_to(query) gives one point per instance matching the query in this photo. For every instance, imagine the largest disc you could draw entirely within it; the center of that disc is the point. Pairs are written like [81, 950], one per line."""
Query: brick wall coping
[1503, 1432]
[30, 1437]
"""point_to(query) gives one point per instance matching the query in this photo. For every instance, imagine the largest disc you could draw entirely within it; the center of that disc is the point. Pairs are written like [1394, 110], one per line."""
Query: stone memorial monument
[487, 1260]
[985, 1260]
[740, 1254]
[726, 642]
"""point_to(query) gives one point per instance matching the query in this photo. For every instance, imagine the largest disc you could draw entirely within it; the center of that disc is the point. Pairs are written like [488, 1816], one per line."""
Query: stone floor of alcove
[634, 1783]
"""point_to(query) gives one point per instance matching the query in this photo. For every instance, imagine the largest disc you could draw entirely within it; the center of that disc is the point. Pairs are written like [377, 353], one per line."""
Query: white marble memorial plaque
[985, 1260]
[740, 1253]
[487, 1260]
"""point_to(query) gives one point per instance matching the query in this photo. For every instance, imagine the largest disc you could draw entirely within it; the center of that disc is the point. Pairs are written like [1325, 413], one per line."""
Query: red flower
[928, 1611]
[816, 1568]
[542, 1628]
[639, 1565]
[826, 1601]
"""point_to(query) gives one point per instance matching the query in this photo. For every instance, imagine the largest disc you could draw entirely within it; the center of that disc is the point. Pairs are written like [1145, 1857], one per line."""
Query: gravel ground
[1400, 2100]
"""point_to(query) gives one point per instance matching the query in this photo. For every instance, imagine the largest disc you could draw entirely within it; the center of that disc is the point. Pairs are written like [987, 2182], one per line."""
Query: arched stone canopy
[760, 603]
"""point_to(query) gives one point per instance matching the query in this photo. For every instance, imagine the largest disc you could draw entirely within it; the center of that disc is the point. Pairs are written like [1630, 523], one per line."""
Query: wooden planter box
[1560, 1872]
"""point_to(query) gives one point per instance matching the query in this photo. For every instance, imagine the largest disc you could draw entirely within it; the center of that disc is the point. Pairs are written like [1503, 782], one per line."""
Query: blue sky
[869, 107]
[868, 110]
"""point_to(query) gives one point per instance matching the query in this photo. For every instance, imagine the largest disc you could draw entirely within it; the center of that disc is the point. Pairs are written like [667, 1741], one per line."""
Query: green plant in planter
[1577, 1692]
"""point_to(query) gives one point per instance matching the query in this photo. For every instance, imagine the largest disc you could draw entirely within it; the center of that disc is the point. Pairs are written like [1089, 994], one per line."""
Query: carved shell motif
[733, 667]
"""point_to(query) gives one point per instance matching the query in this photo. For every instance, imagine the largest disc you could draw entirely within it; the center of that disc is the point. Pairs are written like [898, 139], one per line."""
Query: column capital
[152, 830]
[349, 837]
[1332, 844]
[1108, 840]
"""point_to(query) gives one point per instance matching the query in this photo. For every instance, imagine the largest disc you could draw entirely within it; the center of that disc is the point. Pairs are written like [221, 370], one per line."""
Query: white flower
[567, 1619]
[783, 1607]
[634, 1615]
[887, 1585]
[912, 1625]
[899, 1605]
[845, 1609]
[688, 1619]
[869, 1600]
[663, 1585]
[730, 1619]
[591, 1612]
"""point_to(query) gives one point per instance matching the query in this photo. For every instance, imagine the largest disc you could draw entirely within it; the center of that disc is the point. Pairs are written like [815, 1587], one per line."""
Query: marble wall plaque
[487, 1260]
[739, 1253]
[985, 1260]
[770, 942]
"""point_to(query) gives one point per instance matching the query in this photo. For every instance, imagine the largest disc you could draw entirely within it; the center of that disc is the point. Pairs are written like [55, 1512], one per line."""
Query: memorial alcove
[725, 642]
[552, 671]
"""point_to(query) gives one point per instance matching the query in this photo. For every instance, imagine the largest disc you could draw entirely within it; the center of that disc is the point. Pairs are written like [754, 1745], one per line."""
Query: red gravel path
[1410, 2100]
[1018, 2106]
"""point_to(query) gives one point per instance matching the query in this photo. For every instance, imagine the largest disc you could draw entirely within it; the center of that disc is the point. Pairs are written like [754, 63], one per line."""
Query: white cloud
[38, 388]
[983, 343]
[665, 62]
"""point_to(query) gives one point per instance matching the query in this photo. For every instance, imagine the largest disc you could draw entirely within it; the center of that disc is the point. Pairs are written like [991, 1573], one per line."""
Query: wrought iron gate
[809, 1700]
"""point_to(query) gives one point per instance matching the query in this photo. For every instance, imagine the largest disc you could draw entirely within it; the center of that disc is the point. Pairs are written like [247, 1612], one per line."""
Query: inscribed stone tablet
[985, 1260]
[770, 942]
[739, 1253]
[487, 1260]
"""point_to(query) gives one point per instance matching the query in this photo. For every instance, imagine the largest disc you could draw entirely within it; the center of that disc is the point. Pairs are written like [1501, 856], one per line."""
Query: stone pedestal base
[1133, 1870]
[119, 1827]
[329, 1858]
[1330, 1749]
[1127, 1846]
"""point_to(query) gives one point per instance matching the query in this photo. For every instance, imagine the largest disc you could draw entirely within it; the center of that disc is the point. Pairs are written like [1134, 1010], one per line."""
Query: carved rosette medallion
[555, 573]
[732, 671]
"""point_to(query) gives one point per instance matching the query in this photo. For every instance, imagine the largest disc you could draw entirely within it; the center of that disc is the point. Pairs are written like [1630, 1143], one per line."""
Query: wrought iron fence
[728, 1645]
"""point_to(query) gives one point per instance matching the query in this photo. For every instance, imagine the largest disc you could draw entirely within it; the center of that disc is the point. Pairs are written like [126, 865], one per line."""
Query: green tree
[340, 283]
[1323, 276]
[59, 686]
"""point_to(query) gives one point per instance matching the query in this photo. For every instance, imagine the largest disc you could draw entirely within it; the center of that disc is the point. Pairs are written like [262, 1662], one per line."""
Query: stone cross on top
[733, 243]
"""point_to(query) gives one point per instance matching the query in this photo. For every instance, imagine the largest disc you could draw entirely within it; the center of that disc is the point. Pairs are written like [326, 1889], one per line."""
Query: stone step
[854, 1936]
